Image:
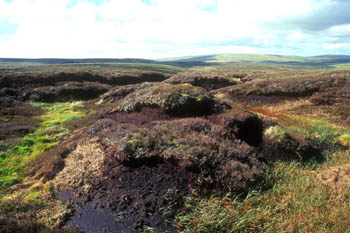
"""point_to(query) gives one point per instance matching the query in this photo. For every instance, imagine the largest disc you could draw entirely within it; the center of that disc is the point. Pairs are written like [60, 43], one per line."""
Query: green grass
[345, 66]
[319, 130]
[297, 202]
[48, 135]
[258, 58]
[266, 61]
[344, 139]
[245, 58]
[11, 65]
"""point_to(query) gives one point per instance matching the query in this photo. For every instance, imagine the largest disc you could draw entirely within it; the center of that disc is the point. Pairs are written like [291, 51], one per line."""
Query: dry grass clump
[33, 210]
[336, 177]
[85, 161]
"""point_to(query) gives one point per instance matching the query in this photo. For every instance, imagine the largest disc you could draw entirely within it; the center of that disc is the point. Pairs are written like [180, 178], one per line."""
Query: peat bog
[173, 150]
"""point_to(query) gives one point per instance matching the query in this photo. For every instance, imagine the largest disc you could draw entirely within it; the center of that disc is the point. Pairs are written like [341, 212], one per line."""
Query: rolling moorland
[219, 143]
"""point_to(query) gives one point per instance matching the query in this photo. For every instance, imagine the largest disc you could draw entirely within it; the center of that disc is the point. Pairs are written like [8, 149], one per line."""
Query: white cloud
[340, 28]
[332, 47]
[119, 28]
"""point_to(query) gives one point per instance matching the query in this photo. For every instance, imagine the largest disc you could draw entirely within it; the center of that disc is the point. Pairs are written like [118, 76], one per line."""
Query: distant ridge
[264, 59]
[84, 60]
[204, 60]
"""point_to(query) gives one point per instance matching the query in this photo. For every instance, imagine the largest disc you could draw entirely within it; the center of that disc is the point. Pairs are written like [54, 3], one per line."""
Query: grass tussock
[50, 132]
[297, 202]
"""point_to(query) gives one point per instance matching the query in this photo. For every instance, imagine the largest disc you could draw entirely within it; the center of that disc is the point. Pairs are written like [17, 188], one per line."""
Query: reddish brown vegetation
[66, 91]
[145, 116]
[175, 100]
[158, 141]
[50, 163]
[196, 144]
[207, 80]
[282, 89]
[18, 80]
[16, 118]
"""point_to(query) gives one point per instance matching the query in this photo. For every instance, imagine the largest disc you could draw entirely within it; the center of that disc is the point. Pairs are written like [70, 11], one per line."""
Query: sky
[172, 28]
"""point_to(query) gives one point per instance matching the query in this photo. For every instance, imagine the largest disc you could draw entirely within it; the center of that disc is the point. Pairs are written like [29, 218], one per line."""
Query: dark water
[89, 217]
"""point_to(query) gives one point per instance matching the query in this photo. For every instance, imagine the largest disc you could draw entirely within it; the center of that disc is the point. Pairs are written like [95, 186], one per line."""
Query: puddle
[89, 217]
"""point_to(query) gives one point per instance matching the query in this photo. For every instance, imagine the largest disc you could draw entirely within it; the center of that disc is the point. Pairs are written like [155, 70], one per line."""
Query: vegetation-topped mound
[119, 92]
[138, 163]
[282, 89]
[66, 91]
[209, 80]
[288, 87]
[138, 170]
[282, 144]
[175, 100]
[51, 78]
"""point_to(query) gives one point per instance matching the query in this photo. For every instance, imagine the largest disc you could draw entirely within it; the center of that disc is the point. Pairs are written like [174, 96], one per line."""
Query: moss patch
[49, 133]
[344, 139]
[276, 132]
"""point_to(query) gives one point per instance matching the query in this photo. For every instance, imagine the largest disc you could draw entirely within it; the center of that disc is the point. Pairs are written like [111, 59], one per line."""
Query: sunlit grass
[320, 131]
[297, 202]
[48, 135]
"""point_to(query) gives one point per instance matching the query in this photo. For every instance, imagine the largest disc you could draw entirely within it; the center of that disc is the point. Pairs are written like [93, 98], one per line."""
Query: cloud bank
[167, 28]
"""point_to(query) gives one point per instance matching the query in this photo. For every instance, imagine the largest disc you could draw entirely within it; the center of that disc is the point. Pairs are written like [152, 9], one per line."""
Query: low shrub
[174, 100]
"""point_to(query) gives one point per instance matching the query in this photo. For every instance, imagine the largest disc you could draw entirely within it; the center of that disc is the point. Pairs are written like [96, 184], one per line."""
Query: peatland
[198, 144]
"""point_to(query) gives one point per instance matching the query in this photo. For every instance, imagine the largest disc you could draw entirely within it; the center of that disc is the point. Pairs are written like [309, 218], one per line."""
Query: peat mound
[10, 97]
[194, 144]
[175, 100]
[66, 91]
[207, 80]
[283, 144]
[11, 108]
[119, 92]
[138, 174]
[267, 91]
[141, 173]
[18, 80]
[16, 129]
[17, 118]
[332, 96]
[144, 117]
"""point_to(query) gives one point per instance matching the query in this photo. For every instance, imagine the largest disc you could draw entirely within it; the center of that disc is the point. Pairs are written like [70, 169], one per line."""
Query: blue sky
[168, 28]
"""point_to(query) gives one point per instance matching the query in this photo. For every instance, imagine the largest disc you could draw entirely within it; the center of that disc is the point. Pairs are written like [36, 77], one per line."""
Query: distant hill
[324, 61]
[264, 59]
[66, 61]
